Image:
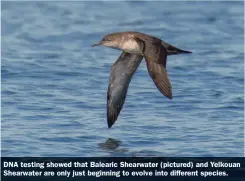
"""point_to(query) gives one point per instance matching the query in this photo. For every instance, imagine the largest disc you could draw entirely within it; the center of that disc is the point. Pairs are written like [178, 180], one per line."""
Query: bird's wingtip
[109, 124]
[185, 51]
[170, 96]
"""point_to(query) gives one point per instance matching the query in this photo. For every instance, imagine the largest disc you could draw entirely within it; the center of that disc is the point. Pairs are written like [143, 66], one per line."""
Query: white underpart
[131, 46]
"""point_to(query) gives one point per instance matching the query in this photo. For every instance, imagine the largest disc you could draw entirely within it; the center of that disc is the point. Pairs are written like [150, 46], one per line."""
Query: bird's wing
[121, 73]
[156, 57]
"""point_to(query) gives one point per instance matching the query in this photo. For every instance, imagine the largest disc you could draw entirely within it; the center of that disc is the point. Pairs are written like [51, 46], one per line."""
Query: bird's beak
[97, 44]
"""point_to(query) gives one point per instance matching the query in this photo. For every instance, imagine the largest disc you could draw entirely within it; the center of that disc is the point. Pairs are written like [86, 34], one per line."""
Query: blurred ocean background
[54, 84]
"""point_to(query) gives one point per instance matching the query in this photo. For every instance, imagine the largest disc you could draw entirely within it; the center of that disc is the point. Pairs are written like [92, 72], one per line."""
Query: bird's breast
[131, 46]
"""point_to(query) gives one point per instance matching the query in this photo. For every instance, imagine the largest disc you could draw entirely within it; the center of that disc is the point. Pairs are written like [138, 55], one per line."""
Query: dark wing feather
[159, 75]
[156, 58]
[120, 77]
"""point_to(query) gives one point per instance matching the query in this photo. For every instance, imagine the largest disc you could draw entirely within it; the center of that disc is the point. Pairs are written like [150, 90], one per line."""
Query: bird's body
[135, 46]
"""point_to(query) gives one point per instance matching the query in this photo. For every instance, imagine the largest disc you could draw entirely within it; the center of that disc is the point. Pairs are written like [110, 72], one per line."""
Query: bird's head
[110, 40]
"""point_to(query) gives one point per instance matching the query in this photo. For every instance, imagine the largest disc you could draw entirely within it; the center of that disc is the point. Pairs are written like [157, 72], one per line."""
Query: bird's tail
[173, 50]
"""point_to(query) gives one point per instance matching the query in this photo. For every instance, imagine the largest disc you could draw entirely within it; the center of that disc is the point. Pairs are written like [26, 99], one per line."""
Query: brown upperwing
[156, 58]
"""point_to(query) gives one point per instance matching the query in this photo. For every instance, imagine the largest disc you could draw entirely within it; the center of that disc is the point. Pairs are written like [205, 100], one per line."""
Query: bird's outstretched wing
[121, 73]
[156, 57]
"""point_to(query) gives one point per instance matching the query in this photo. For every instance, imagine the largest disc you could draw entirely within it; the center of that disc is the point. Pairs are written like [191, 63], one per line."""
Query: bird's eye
[106, 39]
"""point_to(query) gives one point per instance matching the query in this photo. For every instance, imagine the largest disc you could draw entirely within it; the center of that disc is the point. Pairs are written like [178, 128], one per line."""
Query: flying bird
[135, 46]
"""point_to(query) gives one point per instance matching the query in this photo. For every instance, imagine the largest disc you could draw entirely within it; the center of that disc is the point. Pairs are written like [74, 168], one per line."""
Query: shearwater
[135, 46]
